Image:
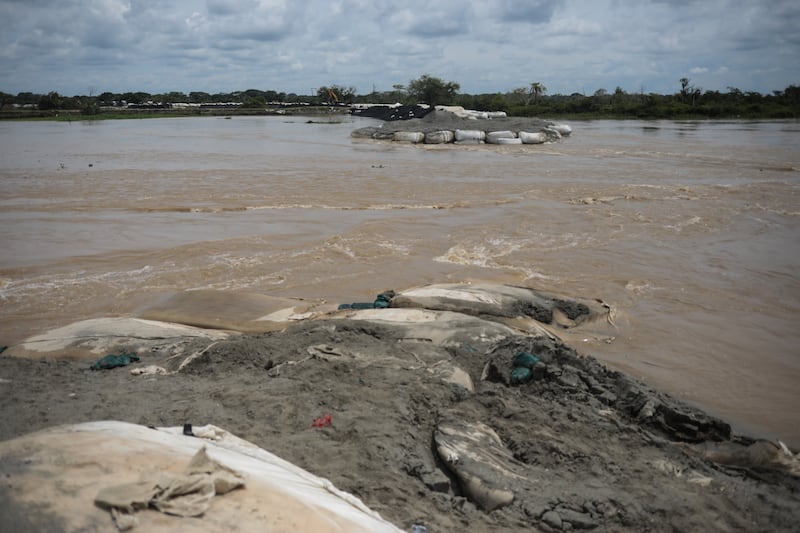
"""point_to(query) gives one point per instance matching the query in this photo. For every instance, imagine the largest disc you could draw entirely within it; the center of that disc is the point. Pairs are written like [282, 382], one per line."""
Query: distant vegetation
[687, 102]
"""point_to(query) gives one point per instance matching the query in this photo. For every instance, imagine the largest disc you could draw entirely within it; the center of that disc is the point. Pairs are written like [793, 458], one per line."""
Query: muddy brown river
[690, 230]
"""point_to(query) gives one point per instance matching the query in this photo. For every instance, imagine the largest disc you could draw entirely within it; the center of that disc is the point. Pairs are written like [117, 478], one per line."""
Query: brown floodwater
[690, 230]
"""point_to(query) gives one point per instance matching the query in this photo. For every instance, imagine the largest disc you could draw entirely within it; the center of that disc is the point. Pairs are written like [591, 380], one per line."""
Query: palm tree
[537, 89]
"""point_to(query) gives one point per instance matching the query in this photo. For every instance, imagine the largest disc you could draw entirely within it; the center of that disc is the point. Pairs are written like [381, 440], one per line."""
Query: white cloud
[494, 45]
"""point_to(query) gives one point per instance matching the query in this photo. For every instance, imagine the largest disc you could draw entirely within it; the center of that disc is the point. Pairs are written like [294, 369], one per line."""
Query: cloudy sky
[74, 46]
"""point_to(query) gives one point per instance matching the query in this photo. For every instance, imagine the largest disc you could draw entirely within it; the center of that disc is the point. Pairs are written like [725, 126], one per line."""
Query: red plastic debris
[322, 422]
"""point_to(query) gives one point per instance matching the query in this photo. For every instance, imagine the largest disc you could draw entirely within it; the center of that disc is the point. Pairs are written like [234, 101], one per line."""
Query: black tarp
[390, 113]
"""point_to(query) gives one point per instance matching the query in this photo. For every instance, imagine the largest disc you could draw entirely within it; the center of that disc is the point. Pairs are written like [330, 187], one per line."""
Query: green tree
[432, 91]
[199, 97]
[520, 96]
[51, 100]
[336, 94]
[537, 90]
[398, 92]
[792, 94]
[686, 89]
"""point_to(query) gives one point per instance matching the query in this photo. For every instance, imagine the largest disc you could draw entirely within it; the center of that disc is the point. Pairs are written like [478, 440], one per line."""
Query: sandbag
[89, 339]
[243, 311]
[496, 114]
[552, 133]
[409, 136]
[469, 136]
[563, 129]
[66, 478]
[477, 115]
[437, 328]
[532, 138]
[503, 140]
[439, 137]
[475, 454]
[493, 136]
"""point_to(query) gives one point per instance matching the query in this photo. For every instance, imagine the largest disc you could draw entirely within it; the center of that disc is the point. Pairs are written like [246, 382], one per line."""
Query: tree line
[533, 100]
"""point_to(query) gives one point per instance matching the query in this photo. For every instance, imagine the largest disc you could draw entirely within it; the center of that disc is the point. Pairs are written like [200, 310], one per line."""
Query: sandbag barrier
[550, 133]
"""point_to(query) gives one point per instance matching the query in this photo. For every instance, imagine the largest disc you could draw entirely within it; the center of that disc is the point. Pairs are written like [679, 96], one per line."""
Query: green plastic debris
[113, 361]
[525, 360]
[357, 305]
[521, 375]
[382, 301]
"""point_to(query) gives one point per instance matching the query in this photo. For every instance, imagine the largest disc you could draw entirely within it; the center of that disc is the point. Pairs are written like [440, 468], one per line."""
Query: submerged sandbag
[439, 137]
[469, 136]
[532, 138]
[67, 478]
[493, 137]
[409, 136]
[241, 311]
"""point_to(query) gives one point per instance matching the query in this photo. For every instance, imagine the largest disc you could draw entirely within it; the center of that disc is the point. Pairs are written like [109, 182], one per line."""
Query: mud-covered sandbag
[409, 136]
[532, 138]
[66, 478]
[475, 454]
[439, 137]
[515, 140]
[89, 339]
[518, 307]
[552, 133]
[492, 137]
[439, 328]
[469, 136]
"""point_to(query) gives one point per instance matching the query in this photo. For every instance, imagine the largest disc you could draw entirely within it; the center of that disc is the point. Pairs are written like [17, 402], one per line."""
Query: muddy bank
[568, 445]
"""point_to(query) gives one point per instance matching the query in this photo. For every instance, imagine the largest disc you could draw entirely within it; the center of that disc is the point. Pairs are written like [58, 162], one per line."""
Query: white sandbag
[455, 109]
[503, 140]
[439, 137]
[409, 136]
[493, 136]
[96, 459]
[532, 138]
[496, 114]
[477, 115]
[563, 129]
[466, 136]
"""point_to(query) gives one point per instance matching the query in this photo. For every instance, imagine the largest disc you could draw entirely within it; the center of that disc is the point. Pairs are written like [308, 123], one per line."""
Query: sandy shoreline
[585, 447]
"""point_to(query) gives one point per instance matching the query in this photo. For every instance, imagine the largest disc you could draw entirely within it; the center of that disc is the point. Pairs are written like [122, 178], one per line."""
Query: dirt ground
[592, 449]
